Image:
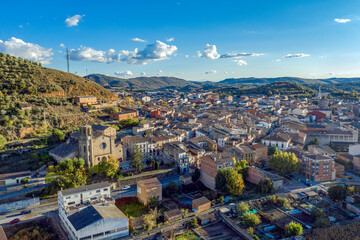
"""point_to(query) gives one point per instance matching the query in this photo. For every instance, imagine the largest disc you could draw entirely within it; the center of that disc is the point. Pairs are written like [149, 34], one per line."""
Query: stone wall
[19, 204]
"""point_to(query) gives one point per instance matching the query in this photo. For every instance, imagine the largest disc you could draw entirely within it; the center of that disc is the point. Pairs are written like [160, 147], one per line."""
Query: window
[105, 189]
[98, 234]
[98, 191]
[93, 198]
[71, 203]
[87, 237]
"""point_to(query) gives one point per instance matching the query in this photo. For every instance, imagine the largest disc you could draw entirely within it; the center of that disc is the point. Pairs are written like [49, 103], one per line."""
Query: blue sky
[195, 40]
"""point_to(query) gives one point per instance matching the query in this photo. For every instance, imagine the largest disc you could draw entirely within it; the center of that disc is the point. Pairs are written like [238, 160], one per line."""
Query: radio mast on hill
[67, 59]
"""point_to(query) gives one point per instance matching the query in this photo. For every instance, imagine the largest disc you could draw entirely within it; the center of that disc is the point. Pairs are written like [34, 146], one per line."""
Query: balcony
[76, 208]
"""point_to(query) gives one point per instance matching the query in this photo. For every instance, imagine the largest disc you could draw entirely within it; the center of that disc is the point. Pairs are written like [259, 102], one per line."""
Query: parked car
[14, 221]
[25, 211]
[125, 187]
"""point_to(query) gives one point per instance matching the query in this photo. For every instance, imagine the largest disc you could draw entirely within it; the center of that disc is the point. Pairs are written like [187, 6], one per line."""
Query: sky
[191, 39]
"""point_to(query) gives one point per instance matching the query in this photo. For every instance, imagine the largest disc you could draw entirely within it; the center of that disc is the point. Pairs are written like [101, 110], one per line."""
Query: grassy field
[190, 235]
[131, 207]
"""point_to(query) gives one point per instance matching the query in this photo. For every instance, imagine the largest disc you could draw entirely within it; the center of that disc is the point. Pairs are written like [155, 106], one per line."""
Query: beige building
[92, 143]
[149, 188]
[201, 204]
[85, 100]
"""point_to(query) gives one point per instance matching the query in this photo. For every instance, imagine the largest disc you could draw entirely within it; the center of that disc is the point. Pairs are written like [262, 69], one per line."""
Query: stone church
[92, 143]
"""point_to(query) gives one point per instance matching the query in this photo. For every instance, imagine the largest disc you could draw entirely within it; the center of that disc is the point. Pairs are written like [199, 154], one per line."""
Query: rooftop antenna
[67, 59]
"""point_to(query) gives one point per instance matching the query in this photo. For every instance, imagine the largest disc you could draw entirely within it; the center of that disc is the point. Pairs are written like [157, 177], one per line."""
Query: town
[169, 164]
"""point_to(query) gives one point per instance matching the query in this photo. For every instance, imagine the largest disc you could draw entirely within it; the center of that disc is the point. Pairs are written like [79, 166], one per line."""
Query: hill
[35, 100]
[259, 81]
[139, 82]
[283, 88]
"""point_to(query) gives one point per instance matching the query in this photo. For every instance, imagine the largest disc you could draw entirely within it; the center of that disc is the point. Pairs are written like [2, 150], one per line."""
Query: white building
[14, 178]
[354, 149]
[88, 212]
[279, 140]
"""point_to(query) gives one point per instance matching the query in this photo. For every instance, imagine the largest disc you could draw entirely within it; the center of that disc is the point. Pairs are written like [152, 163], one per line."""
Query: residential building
[279, 140]
[201, 204]
[255, 175]
[317, 167]
[172, 215]
[210, 164]
[149, 188]
[14, 177]
[178, 152]
[85, 100]
[124, 115]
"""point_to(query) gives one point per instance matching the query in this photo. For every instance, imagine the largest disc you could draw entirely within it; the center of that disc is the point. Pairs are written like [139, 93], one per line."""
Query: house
[149, 188]
[255, 175]
[210, 164]
[317, 167]
[172, 215]
[142, 129]
[92, 143]
[178, 152]
[13, 178]
[124, 115]
[279, 140]
[201, 204]
[206, 218]
[85, 100]
[317, 115]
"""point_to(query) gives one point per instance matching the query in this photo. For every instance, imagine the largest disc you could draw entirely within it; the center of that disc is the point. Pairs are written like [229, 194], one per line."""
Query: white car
[125, 187]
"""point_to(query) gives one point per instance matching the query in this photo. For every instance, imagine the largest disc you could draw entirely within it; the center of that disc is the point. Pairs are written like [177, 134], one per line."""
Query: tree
[242, 167]
[251, 219]
[193, 222]
[108, 167]
[3, 141]
[136, 159]
[25, 181]
[70, 173]
[284, 163]
[337, 193]
[112, 109]
[316, 141]
[242, 208]
[58, 135]
[149, 221]
[316, 212]
[229, 181]
[266, 186]
[157, 165]
[322, 222]
[171, 189]
[153, 202]
[272, 150]
[293, 229]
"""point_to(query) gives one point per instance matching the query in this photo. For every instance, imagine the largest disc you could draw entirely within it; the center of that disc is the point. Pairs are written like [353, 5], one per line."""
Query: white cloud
[210, 52]
[62, 45]
[342, 20]
[160, 71]
[21, 26]
[31, 51]
[74, 20]
[240, 62]
[143, 74]
[186, 56]
[278, 60]
[170, 39]
[153, 52]
[138, 40]
[91, 55]
[240, 55]
[124, 73]
[296, 55]
[211, 72]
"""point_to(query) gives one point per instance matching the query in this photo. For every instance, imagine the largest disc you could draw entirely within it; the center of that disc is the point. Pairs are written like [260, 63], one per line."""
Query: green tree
[193, 222]
[266, 186]
[58, 135]
[337, 193]
[242, 167]
[136, 159]
[108, 167]
[229, 181]
[157, 165]
[242, 208]
[284, 163]
[25, 181]
[3, 141]
[293, 229]
[112, 109]
[149, 221]
[251, 219]
[153, 202]
[316, 212]
[316, 141]
[272, 150]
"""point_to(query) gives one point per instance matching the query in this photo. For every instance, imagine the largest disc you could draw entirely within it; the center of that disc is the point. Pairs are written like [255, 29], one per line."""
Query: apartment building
[279, 140]
[124, 115]
[149, 188]
[317, 167]
[210, 164]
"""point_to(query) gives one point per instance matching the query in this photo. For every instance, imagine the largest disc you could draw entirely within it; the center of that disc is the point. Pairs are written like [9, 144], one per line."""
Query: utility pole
[67, 59]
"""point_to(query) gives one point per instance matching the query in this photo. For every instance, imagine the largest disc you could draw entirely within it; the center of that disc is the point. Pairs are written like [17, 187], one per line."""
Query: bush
[242, 207]
[293, 229]
[251, 219]
[25, 181]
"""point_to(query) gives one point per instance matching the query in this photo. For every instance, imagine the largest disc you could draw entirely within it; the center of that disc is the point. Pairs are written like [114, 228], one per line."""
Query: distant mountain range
[148, 83]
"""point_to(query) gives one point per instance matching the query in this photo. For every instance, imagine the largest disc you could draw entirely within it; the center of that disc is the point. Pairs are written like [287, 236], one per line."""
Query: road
[131, 192]
[52, 208]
